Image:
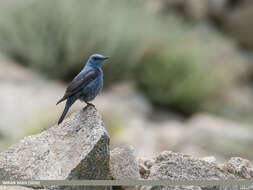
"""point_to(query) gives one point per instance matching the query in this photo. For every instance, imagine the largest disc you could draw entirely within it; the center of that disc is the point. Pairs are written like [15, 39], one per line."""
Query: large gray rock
[169, 165]
[176, 166]
[76, 149]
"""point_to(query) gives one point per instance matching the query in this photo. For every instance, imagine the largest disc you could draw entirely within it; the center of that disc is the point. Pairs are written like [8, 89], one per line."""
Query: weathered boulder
[76, 149]
[176, 166]
[169, 165]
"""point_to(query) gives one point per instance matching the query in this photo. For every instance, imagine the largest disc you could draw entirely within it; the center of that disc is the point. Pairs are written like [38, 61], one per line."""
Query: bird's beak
[105, 58]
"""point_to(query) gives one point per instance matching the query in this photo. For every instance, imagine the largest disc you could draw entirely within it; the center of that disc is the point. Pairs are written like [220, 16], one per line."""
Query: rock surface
[169, 165]
[76, 149]
[123, 163]
[176, 166]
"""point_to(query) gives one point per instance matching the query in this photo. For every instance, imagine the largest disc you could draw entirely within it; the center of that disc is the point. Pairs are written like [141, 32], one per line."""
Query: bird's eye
[95, 58]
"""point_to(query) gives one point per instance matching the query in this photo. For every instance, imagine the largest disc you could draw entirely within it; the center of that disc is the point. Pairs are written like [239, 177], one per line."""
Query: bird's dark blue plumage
[86, 85]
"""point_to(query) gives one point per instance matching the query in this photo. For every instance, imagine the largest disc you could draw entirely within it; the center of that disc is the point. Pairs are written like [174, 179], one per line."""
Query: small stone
[123, 163]
[240, 167]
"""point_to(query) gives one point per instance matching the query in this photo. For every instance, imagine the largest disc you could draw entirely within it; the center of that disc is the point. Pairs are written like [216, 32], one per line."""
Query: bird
[86, 85]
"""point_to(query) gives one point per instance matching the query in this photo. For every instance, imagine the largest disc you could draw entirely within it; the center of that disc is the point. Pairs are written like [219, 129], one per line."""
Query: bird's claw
[89, 104]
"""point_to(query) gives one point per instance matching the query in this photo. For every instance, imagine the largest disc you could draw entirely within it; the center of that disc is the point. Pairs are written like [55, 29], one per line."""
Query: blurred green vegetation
[168, 62]
[181, 83]
[57, 37]
[189, 73]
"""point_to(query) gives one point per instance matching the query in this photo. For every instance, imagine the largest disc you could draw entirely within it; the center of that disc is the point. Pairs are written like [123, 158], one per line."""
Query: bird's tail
[65, 111]
[63, 98]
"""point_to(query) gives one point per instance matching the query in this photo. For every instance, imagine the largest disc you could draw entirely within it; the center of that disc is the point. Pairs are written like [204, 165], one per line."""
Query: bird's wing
[79, 82]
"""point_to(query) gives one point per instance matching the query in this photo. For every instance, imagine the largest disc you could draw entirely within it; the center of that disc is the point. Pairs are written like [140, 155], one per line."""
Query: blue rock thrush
[86, 85]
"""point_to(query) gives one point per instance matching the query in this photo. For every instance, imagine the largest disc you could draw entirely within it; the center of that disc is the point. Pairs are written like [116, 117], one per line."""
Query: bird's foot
[89, 104]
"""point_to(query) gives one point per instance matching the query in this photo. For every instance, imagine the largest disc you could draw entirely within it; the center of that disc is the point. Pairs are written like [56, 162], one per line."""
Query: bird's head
[96, 59]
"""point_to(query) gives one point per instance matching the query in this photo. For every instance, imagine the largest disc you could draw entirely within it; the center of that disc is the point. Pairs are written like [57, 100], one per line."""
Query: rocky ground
[75, 157]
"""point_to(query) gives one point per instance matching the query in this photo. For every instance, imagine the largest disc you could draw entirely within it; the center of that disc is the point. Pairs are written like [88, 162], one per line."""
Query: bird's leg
[88, 104]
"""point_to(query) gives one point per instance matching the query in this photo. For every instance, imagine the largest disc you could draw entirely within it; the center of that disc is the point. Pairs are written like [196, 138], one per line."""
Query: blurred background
[180, 74]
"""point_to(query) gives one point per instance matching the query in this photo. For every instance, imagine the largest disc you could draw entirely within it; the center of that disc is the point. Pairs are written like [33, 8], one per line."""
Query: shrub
[189, 73]
[57, 37]
[175, 80]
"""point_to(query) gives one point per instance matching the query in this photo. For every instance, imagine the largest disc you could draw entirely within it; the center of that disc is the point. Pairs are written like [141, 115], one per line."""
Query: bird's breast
[92, 89]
